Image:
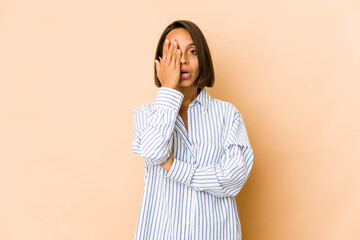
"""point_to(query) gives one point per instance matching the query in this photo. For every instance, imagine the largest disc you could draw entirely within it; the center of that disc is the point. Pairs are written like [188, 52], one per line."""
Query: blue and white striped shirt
[212, 161]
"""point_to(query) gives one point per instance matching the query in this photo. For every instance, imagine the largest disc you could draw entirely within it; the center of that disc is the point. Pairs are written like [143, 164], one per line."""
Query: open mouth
[184, 74]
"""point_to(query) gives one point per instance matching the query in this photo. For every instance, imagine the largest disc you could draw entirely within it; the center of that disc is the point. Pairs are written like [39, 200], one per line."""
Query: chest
[199, 136]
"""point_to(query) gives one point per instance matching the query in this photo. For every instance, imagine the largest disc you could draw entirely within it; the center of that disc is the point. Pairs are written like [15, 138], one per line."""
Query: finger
[165, 49]
[178, 57]
[157, 65]
[170, 51]
[174, 53]
[174, 50]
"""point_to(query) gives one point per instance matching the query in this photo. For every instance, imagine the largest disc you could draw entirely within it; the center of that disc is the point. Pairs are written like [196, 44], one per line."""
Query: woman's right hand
[168, 68]
[167, 165]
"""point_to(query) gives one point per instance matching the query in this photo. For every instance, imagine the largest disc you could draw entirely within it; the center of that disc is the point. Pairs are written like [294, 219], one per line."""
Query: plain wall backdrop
[72, 72]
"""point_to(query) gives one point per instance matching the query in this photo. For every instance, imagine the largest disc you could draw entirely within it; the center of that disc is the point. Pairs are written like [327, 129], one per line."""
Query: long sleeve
[228, 176]
[154, 126]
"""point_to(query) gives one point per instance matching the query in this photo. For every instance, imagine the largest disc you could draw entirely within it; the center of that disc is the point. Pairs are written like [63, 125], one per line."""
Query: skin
[179, 52]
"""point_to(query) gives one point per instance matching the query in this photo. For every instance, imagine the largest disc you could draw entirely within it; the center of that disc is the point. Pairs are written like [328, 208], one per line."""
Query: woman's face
[189, 63]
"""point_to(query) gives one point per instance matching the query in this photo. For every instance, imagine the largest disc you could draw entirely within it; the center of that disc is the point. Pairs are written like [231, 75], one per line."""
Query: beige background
[72, 72]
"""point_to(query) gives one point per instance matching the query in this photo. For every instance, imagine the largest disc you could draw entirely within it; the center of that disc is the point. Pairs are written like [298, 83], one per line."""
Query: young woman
[196, 149]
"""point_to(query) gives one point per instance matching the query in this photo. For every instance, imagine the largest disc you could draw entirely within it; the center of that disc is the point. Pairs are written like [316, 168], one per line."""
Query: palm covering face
[168, 66]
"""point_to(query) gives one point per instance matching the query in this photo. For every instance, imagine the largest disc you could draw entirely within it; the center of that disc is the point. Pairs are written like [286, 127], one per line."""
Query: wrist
[169, 86]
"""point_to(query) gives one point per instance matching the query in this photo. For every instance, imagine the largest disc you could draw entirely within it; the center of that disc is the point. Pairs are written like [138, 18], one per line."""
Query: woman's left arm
[226, 178]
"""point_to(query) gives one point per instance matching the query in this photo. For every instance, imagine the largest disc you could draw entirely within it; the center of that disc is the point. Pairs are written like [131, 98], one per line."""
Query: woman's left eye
[193, 51]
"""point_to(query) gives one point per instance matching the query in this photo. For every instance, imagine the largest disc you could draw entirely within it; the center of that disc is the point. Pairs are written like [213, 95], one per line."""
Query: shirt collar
[203, 98]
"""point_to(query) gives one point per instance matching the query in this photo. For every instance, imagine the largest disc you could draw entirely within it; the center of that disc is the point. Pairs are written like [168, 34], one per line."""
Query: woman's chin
[185, 83]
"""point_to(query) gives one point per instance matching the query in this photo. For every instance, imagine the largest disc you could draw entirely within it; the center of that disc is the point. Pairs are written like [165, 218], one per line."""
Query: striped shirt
[212, 161]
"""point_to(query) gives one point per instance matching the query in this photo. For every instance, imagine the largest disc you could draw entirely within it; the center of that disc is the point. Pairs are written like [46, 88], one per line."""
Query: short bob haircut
[206, 76]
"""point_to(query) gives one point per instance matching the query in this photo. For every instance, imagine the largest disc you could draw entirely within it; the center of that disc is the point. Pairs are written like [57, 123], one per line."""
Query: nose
[184, 59]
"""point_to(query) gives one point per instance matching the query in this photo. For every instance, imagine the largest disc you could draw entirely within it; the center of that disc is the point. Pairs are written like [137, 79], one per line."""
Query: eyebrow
[190, 45]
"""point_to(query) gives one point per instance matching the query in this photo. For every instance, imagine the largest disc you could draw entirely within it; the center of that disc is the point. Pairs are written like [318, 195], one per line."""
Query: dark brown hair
[206, 76]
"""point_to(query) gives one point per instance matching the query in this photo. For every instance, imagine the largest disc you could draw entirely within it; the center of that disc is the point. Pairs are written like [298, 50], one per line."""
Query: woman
[196, 149]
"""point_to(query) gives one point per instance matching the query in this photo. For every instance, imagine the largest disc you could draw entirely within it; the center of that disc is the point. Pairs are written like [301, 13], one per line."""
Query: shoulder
[226, 108]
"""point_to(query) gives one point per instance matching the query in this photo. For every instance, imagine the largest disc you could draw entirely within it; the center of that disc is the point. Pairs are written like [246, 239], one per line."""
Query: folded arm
[154, 126]
[228, 176]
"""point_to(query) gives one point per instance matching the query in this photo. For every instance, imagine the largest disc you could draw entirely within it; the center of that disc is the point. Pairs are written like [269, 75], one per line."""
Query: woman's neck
[190, 93]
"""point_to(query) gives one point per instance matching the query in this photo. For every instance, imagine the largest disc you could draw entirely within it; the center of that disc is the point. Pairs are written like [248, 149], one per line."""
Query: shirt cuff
[169, 97]
[181, 172]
